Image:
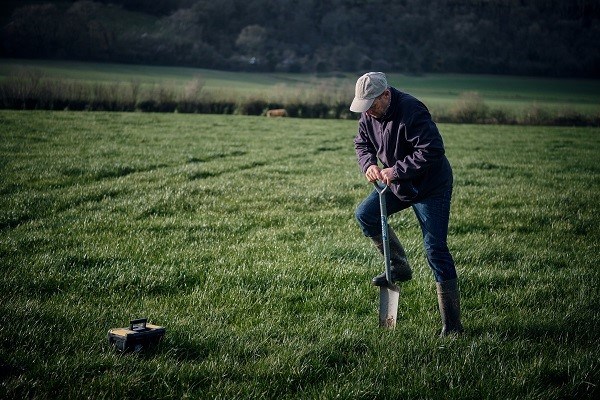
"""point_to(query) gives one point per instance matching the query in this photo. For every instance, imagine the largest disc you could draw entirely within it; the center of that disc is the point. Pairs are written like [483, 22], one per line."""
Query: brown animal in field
[278, 112]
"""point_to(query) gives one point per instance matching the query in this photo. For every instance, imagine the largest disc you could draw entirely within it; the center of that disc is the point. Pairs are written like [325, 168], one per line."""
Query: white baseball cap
[368, 88]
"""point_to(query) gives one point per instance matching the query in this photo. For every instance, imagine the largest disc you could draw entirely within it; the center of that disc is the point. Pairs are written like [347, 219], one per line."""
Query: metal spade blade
[388, 305]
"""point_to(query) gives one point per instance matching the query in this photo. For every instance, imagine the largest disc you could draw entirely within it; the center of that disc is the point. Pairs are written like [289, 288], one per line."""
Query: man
[396, 129]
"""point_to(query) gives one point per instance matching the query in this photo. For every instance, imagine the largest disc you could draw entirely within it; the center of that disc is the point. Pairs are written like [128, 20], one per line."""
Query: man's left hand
[388, 175]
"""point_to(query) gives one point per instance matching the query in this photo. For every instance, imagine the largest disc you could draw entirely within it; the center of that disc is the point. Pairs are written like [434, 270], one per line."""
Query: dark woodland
[518, 37]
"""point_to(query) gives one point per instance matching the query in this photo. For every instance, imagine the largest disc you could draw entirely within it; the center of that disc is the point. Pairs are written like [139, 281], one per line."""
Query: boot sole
[383, 282]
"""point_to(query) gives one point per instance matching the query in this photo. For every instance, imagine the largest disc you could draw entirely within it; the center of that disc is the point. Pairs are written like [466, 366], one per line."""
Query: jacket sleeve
[426, 144]
[366, 153]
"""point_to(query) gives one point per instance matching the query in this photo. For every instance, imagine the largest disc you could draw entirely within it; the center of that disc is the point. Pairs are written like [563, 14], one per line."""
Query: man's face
[380, 105]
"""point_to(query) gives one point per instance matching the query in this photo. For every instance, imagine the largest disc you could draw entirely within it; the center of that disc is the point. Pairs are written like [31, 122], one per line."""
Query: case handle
[138, 324]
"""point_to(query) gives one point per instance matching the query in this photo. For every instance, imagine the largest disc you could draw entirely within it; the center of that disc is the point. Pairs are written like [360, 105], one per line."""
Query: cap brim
[361, 105]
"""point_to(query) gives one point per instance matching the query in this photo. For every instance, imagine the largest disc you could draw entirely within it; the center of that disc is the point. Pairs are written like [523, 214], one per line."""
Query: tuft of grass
[469, 107]
[237, 234]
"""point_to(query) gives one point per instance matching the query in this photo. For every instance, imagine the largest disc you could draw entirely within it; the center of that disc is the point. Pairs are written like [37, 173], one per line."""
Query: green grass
[215, 80]
[237, 234]
[505, 90]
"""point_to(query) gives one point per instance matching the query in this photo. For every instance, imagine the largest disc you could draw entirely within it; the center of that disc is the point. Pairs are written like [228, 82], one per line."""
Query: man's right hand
[374, 173]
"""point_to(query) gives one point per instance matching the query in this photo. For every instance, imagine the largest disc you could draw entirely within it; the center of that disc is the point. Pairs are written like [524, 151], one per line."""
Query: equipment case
[137, 336]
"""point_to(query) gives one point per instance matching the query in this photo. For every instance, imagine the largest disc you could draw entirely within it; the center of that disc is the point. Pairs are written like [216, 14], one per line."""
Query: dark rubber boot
[400, 268]
[449, 303]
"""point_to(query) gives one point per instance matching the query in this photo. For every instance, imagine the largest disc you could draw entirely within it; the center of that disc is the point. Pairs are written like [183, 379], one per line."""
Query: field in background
[237, 234]
[451, 98]
[505, 92]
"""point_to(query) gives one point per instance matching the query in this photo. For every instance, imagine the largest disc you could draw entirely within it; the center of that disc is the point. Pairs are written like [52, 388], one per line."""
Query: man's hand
[374, 173]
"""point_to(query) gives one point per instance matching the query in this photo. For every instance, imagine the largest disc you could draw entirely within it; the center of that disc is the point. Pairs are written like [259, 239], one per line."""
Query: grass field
[237, 234]
[515, 97]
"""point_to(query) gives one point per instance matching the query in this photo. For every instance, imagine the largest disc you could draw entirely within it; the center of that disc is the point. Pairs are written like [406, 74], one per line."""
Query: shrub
[190, 98]
[570, 117]
[251, 106]
[469, 108]
[23, 89]
[500, 116]
[536, 115]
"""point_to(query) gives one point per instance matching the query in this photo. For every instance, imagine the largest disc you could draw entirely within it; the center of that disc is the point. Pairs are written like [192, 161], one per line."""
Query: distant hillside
[535, 37]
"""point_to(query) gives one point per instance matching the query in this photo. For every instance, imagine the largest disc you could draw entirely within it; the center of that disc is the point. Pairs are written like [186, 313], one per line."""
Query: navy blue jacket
[406, 139]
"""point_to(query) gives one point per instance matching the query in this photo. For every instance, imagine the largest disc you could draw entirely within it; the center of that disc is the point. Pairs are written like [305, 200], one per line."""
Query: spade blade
[388, 305]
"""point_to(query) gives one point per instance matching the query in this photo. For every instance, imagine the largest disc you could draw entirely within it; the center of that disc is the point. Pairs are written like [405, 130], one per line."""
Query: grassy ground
[508, 92]
[237, 235]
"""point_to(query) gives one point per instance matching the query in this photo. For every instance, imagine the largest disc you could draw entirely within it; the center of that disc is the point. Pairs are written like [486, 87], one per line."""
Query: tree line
[521, 37]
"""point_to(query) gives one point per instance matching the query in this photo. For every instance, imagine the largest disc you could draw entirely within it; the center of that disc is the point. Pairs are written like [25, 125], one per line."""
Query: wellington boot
[400, 268]
[449, 302]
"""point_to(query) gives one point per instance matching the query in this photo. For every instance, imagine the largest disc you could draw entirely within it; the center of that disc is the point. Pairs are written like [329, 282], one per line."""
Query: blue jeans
[433, 214]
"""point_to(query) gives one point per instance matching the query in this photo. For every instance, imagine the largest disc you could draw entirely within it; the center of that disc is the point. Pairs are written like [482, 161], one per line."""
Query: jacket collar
[395, 100]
